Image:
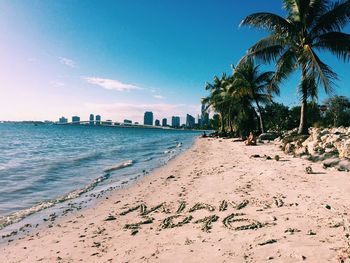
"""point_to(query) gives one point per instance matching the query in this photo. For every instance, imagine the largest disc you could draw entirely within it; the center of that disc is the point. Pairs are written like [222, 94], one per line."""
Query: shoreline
[83, 198]
[211, 203]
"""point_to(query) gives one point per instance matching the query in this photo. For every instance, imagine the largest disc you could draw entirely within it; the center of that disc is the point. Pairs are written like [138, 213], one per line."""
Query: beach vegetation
[294, 40]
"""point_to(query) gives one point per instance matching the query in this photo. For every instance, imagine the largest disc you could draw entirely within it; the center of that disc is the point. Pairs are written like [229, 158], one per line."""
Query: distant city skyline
[148, 119]
[120, 59]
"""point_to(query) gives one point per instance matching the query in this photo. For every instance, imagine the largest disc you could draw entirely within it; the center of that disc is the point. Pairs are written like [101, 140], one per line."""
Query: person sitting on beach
[251, 139]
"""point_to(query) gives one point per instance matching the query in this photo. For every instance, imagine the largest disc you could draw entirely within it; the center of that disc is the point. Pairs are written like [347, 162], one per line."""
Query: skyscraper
[204, 117]
[98, 119]
[190, 121]
[157, 123]
[62, 120]
[148, 118]
[75, 120]
[175, 122]
[92, 117]
[164, 122]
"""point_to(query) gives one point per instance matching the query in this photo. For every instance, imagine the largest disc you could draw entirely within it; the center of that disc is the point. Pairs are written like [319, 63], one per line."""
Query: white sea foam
[18, 216]
[119, 166]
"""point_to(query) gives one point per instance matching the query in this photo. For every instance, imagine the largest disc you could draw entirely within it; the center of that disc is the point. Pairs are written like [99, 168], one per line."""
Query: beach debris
[336, 225]
[328, 207]
[311, 233]
[267, 157]
[279, 202]
[291, 230]
[267, 242]
[13, 233]
[170, 177]
[200, 206]
[207, 222]
[243, 204]
[232, 218]
[169, 223]
[255, 156]
[188, 241]
[134, 232]
[131, 209]
[144, 210]
[181, 208]
[277, 158]
[308, 170]
[251, 226]
[136, 226]
[110, 218]
[223, 205]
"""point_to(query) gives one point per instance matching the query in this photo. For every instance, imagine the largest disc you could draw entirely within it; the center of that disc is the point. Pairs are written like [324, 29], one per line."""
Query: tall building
[62, 120]
[157, 123]
[127, 121]
[98, 120]
[204, 116]
[92, 119]
[190, 121]
[175, 122]
[75, 120]
[164, 122]
[199, 120]
[148, 118]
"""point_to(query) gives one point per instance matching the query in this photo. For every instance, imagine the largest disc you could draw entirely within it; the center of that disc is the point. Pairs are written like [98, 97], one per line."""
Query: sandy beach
[216, 202]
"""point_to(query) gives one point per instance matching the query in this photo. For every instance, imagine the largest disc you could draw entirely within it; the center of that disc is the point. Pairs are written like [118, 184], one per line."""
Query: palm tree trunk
[222, 122]
[303, 129]
[260, 117]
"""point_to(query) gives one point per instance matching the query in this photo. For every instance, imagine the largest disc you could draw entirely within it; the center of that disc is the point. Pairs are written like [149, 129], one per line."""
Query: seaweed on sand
[200, 206]
[131, 209]
[143, 209]
[207, 222]
[243, 204]
[270, 241]
[136, 226]
[223, 205]
[146, 212]
[252, 226]
[169, 223]
[181, 208]
[232, 218]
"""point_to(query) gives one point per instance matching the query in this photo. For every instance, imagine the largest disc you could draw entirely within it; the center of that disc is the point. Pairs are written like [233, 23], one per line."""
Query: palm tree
[310, 26]
[258, 86]
[218, 99]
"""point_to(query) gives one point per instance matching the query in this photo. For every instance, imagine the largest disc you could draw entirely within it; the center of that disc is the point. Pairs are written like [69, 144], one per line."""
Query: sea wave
[18, 216]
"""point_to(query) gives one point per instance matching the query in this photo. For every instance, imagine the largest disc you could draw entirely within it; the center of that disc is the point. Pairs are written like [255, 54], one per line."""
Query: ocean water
[44, 165]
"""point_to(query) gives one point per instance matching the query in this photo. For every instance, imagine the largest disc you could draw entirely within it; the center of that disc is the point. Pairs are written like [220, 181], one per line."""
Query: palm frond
[318, 70]
[335, 19]
[265, 54]
[267, 21]
[338, 43]
[285, 65]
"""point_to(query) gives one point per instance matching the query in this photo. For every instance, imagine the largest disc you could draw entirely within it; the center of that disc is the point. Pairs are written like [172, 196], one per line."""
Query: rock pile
[332, 146]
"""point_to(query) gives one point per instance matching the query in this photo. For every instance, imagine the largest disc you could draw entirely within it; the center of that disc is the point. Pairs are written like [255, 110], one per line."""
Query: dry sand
[253, 210]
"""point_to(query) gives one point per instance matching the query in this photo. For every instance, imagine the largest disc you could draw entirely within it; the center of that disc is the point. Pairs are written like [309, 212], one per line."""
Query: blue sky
[120, 58]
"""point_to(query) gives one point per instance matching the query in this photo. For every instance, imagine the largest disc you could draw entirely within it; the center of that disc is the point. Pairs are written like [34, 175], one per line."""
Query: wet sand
[217, 202]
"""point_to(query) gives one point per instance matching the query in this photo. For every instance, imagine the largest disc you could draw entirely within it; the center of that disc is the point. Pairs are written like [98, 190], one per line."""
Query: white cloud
[121, 111]
[68, 62]
[111, 84]
[159, 97]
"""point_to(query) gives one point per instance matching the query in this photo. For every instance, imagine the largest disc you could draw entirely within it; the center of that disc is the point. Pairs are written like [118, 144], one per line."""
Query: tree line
[243, 100]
